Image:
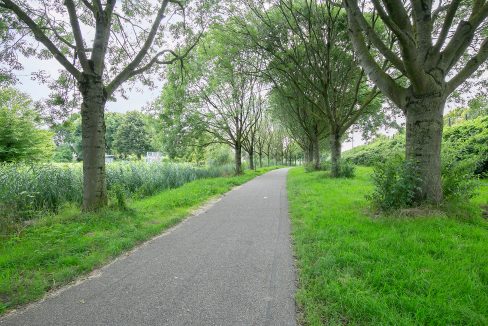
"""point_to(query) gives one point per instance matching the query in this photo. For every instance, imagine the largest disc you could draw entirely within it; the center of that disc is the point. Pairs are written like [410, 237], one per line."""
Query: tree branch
[75, 25]
[471, 66]
[384, 82]
[41, 37]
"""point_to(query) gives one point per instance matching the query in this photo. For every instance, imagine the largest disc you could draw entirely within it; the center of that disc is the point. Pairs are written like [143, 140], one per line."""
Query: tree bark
[238, 158]
[316, 153]
[260, 159]
[335, 154]
[251, 160]
[423, 143]
[93, 141]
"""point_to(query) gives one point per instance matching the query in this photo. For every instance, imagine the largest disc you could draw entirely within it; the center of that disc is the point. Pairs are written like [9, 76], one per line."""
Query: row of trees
[321, 67]
[219, 98]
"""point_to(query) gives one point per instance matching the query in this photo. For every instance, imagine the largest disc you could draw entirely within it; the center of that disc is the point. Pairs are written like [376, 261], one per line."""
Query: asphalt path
[229, 265]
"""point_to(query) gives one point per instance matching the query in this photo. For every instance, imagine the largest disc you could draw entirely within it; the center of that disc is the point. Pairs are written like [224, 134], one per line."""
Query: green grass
[59, 248]
[359, 270]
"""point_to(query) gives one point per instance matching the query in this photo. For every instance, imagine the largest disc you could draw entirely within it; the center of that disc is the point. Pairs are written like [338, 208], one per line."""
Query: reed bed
[30, 190]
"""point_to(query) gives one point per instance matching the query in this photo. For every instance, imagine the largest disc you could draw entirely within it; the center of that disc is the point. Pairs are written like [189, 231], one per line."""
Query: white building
[154, 157]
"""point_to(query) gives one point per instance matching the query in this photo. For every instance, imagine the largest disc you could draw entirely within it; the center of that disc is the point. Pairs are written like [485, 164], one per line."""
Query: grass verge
[59, 248]
[354, 269]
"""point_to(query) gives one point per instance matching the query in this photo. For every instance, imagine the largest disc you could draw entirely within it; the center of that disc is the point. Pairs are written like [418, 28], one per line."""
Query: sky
[37, 91]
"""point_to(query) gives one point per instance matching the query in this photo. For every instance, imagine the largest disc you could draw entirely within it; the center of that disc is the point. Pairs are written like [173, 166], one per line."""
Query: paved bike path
[230, 265]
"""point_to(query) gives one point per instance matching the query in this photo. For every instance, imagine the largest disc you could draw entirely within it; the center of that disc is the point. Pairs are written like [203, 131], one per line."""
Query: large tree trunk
[335, 154]
[260, 159]
[238, 158]
[93, 141]
[423, 144]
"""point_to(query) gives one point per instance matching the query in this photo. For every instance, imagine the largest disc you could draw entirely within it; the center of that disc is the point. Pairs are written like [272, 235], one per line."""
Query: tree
[113, 121]
[20, 137]
[263, 136]
[67, 135]
[298, 117]
[131, 137]
[306, 44]
[223, 93]
[249, 143]
[438, 46]
[182, 130]
[110, 45]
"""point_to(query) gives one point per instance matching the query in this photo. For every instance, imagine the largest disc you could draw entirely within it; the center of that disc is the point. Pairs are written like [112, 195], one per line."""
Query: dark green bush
[459, 181]
[396, 182]
[309, 167]
[347, 169]
[378, 151]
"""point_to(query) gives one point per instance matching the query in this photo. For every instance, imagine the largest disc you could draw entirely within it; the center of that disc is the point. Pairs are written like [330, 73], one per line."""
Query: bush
[459, 181]
[396, 182]
[379, 151]
[309, 167]
[347, 169]
[466, 141]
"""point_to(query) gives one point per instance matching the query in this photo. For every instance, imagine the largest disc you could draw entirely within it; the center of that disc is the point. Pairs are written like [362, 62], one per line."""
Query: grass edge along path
[58, 249]
[358, 270]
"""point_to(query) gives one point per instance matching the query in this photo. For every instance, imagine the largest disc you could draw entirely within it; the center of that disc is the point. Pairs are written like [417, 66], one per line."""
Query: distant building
[109, 158]
[154, 157]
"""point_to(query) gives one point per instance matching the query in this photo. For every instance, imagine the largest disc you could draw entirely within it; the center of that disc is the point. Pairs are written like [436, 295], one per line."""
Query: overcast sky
[38, 91]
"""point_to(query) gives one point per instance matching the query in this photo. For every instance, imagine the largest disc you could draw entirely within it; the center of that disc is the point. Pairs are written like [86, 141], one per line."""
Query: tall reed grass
[28, 190]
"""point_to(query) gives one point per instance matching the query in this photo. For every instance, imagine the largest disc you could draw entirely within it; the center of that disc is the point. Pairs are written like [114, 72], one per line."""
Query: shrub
[459, 181]
[118, 195]
[309, 167]
[325, 165]
[466, 141]
[380, 150]
[396, 182]
[347, 169]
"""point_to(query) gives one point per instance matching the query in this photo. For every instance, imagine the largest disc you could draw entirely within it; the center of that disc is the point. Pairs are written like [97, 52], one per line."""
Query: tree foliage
[307, 51]
[132, 137]
[21, 138]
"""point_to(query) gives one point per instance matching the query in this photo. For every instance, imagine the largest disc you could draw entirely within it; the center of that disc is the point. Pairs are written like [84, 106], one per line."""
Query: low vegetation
[28, 191]
[358, 268]
[58, 248]
[465, 141]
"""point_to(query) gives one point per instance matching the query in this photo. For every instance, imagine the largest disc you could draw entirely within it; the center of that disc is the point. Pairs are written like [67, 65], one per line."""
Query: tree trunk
[251, 160]
[335, 154]
[307, 155]
[316, 153]
[238, 158]
[423, 144]
[260, 159]
[93, 141]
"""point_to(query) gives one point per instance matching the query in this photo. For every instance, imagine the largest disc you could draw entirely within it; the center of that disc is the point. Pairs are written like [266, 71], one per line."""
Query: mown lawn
[59, 248]
[359, 270]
